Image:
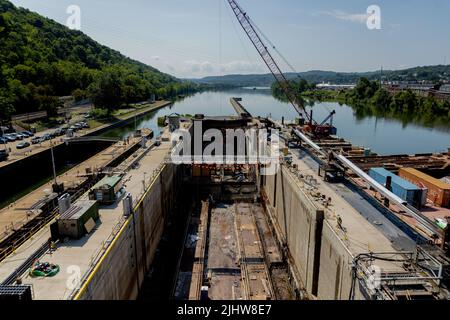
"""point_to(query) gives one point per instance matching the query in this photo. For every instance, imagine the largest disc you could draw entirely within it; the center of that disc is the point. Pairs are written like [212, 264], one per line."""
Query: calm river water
[384, 136]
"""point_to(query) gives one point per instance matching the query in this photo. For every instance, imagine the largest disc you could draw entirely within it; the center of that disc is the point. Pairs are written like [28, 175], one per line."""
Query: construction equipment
[311, 126]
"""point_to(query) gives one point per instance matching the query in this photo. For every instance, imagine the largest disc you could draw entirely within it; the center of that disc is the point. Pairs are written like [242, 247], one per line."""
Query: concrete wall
[121, 271]
[37, 168]
[319, 258]
[298, 222]
[335, 268]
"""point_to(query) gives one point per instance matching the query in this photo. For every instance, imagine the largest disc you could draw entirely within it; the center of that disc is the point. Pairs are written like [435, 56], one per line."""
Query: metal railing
[97, 256]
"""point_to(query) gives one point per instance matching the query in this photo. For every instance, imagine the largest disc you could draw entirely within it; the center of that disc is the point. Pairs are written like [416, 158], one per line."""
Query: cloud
[199, 67]
[351, 17]
[202, 68]
[242, 67]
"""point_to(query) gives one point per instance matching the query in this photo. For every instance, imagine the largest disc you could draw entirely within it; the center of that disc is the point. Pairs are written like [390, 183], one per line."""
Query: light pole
[53, 165]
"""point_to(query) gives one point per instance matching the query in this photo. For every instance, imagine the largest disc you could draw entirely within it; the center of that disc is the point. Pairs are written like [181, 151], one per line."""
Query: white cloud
[351, 17]
[197, 67]
[207, 68]
[242, 67]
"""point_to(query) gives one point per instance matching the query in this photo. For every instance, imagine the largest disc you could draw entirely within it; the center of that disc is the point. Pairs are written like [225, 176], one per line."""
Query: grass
[132, 112]
[95, 123]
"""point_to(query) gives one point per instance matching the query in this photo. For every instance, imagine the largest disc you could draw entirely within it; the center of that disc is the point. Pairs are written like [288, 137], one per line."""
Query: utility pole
[381, 76]
[53, 165]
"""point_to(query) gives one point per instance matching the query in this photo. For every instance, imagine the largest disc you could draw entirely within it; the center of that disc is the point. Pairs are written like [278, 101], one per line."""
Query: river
[384, 136]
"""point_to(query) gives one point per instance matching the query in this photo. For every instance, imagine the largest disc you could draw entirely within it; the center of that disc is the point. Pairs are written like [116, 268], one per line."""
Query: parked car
[20, 136]
[54, 134]
[28, 133]
[3, 140]
[3, 154]
[46, 136]
[36, 140]
[24, 134]
[11, 137]
[23, 145]
[60, 132]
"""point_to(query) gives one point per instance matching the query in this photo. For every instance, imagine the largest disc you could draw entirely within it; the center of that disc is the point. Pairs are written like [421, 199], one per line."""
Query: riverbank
[94, 130]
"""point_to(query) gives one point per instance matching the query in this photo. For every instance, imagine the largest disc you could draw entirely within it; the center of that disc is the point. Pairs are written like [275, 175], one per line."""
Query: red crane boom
[254, 37]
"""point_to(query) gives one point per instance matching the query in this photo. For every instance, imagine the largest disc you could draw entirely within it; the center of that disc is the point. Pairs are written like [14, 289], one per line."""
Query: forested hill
[41, 59]
[430, 73]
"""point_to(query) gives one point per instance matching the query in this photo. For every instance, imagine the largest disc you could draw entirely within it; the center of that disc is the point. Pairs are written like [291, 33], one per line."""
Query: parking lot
[49, 138]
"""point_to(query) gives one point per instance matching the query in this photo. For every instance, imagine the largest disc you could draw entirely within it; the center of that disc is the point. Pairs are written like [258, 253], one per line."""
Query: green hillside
[41, 60]
[430, 73]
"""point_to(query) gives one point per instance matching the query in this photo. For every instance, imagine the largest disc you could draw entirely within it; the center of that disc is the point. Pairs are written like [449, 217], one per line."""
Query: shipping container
[72, 223]
[106, 189]
[438, 191]
[405, 190]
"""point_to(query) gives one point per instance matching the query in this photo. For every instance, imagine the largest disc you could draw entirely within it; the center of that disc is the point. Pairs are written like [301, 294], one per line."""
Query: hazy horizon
[203, 38]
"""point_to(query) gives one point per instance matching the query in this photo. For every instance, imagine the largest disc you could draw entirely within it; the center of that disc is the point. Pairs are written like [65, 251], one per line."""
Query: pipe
[432, 229]
[309, 141]
[424, 221]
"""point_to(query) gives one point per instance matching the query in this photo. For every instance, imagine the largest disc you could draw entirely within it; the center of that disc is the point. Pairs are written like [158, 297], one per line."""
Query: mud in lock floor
[242, 259]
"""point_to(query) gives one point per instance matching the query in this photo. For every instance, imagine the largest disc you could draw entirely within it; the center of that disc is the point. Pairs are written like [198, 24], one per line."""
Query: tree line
[368, 98]
[41, 60]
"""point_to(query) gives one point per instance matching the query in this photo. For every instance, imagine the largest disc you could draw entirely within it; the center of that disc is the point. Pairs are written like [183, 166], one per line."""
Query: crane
[251, 30]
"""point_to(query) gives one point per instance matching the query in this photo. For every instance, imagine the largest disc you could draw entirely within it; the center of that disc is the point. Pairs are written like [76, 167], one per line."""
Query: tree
[108, 90]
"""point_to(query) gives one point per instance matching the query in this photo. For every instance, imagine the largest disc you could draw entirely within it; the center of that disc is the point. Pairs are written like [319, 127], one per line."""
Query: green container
[72, 222]
[106, 189]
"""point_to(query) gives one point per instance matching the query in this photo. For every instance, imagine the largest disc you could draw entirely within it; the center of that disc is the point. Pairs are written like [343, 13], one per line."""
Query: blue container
[400, 187]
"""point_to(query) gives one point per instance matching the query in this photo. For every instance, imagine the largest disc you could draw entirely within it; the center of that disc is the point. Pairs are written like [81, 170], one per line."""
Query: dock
[239, 108]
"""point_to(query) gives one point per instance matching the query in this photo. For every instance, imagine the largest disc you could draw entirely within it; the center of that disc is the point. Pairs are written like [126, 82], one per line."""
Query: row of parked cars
[11, 137]
[60, 132]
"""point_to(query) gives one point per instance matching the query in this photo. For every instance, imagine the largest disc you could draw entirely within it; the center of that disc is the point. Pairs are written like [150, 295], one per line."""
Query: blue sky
[201, 37]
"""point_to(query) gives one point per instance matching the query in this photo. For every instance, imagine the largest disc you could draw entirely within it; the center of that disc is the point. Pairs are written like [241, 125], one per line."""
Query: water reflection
[383, 135]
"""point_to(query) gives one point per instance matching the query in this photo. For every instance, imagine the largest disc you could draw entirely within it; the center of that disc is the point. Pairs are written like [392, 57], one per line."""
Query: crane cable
[273, 46]
[238, 35]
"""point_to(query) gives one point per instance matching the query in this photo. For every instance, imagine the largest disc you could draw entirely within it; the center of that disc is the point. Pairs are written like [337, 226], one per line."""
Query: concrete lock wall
[120, 273]
[299, 224]
[335, 268]
[321, 260]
